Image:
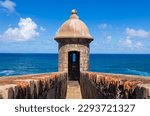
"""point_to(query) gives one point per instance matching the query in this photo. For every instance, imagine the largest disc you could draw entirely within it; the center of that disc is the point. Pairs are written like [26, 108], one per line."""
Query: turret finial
[74, 11]
[74, 14]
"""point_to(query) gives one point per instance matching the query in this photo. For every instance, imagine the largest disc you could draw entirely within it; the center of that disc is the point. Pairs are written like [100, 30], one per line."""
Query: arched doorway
[74, 65]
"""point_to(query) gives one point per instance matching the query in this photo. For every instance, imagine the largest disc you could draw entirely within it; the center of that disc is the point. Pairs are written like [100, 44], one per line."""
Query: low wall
[42, 86]
[113, 86]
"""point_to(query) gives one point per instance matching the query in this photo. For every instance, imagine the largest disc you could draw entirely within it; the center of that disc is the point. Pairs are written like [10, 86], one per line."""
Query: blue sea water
[21, 64]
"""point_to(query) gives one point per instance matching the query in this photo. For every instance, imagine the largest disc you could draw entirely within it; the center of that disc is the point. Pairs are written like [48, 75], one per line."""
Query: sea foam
[142, 73]
[7, 72]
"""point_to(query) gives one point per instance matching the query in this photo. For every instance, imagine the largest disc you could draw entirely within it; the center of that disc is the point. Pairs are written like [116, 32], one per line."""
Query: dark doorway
[74, 65]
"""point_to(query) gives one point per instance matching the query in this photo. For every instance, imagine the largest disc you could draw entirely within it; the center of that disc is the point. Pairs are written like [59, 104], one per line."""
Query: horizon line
[90, 53]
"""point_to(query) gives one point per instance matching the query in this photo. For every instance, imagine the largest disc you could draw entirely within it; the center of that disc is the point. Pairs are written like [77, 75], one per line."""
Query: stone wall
[80, 45]
[113, 86]
[42, 86]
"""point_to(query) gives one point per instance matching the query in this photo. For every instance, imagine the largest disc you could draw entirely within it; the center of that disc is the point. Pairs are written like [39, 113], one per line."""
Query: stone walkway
[73, 90]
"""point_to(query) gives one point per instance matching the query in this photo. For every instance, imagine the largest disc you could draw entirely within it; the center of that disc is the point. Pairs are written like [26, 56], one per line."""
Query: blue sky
[117, 26]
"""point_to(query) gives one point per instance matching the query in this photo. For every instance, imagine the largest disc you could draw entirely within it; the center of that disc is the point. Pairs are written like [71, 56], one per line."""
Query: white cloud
[138, 45]
[42, 29]
[133, 44]
[8, 5]
[107, 40]
[137, 33]
[103, 26]
[128, 43]
[26, 30]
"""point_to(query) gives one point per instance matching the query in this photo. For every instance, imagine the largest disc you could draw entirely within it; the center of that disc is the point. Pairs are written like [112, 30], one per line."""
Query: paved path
[73, 90]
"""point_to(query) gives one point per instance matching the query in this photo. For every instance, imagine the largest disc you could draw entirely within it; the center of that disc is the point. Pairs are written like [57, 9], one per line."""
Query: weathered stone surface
[6, 91]
[111, 86]
[74, 45]
[93, 86]
[73, 91]
[142, 91]
[42, 86]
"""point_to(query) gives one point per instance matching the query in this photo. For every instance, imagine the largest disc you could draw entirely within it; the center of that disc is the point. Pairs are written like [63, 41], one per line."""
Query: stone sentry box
[73, 38]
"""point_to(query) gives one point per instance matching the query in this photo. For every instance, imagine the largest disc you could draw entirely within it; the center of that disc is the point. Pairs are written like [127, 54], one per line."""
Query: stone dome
[73, 28]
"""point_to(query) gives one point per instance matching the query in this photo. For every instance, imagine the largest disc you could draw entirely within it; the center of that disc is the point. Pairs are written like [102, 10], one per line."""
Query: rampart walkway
[73, 90]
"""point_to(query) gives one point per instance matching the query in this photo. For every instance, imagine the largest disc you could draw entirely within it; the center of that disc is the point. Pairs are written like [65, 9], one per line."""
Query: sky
[117, 26]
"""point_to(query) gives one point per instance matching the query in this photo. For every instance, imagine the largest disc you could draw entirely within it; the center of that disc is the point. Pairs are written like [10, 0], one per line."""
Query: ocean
[22, 64]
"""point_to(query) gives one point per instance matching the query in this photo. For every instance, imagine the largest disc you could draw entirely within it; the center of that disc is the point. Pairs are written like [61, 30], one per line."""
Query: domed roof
[73, 28]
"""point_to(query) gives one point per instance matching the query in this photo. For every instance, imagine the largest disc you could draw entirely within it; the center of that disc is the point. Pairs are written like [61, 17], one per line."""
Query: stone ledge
[114, 86]
[40, 86]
